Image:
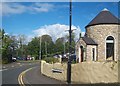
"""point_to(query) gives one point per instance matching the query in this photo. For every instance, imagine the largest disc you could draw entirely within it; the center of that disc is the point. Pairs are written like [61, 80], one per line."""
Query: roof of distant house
[89, 41]
[104, 17]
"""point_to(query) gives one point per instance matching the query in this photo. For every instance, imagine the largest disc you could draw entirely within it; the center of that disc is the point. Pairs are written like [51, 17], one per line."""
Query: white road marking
[12, 66]
[21, 65]
[18, 63]
[3, 69]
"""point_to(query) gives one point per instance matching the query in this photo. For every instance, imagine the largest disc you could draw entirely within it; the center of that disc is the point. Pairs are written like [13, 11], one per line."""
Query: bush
[51, 60]
[5, 61]
[73, 62]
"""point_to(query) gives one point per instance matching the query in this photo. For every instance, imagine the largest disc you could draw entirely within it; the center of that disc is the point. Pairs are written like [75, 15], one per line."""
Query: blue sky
[29, 18]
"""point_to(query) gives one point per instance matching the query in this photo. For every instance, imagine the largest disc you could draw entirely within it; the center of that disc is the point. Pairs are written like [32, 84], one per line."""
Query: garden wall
[85, 72]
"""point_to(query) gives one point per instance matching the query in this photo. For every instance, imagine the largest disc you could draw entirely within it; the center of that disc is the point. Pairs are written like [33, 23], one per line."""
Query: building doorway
[82, 53]
[110, 48]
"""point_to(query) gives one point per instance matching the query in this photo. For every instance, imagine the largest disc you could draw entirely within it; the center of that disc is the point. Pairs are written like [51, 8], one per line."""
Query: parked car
[20, 58]
[14, 59]
[73, 57]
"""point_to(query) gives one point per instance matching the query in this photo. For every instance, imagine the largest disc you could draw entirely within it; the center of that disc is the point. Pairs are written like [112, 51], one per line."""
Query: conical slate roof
[104, 17]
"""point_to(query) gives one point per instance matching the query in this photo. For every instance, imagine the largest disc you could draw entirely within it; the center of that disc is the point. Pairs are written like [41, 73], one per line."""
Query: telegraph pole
[40, 49]
[46, 48]
[69, 59]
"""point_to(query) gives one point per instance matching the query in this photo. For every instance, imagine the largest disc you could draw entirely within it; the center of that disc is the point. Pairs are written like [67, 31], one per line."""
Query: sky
[52, 18]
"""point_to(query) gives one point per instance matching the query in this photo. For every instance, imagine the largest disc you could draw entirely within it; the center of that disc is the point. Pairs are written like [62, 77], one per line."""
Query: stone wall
[99, 33]
[46, 69]
[85, 72]
[78, 51]
[119, 51]
[95, 72]
[89, 53]
[119, 71]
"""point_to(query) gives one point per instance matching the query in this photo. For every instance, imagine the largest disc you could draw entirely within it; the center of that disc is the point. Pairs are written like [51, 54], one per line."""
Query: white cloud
[39, 7]
[14, 8]
[57, 31]
[18, 8]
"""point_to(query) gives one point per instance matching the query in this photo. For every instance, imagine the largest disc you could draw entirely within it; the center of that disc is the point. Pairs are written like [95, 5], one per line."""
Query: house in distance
[100, 42]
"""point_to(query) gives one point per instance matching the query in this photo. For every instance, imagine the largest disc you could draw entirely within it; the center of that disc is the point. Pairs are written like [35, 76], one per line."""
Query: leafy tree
[59, 45]
[33, 47]
[72, 43]
[47, 45]
[9, 46]
[6, 47]
[21, 44]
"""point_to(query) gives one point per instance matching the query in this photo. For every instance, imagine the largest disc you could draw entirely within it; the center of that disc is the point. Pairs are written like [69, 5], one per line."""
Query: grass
[0, 61]
[51, 60]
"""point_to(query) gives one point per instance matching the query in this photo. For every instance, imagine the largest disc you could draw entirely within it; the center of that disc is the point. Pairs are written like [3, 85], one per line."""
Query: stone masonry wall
[119, 52]
[46, 69]
[89, 53]
[77, 47]
[99, 33]
[85, 72]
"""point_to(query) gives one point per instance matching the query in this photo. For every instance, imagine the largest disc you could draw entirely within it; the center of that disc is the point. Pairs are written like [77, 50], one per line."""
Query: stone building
[100, 42]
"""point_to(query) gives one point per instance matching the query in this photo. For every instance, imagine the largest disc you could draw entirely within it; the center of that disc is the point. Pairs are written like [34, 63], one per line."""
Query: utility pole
[64, 46]
[46, 48]
[40, 49]
[69, 59]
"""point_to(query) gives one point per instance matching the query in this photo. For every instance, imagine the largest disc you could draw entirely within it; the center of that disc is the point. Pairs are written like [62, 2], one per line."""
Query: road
[41, 79]
[11, 72]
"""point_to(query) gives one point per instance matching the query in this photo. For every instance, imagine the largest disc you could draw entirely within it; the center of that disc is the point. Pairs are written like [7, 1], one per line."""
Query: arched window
[110, 48]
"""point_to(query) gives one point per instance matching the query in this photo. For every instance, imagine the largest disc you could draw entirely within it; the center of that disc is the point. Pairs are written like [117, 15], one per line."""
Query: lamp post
[69, 59]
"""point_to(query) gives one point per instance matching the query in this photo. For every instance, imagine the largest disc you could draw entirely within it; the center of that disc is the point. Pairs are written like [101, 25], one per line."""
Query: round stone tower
[103, 29]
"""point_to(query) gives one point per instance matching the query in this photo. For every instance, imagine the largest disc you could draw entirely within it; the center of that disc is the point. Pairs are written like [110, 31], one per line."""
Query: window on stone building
[110, 48]
[93, 54]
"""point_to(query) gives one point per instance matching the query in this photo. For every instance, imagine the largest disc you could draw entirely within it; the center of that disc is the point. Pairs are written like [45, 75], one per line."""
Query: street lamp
[70, 40]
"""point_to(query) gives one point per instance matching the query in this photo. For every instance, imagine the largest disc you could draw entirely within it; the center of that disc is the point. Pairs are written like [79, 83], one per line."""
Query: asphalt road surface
[38, 78]
[11, 72]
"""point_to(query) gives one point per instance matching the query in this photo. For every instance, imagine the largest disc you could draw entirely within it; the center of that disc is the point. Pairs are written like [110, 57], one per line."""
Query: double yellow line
[20, 77]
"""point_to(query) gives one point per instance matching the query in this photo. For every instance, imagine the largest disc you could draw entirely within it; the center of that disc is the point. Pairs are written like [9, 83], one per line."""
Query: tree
[72, 43]
[59, 45]
[21, 44]
[48, 47]
[33, 47]
[9, 46]
[6, 47]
